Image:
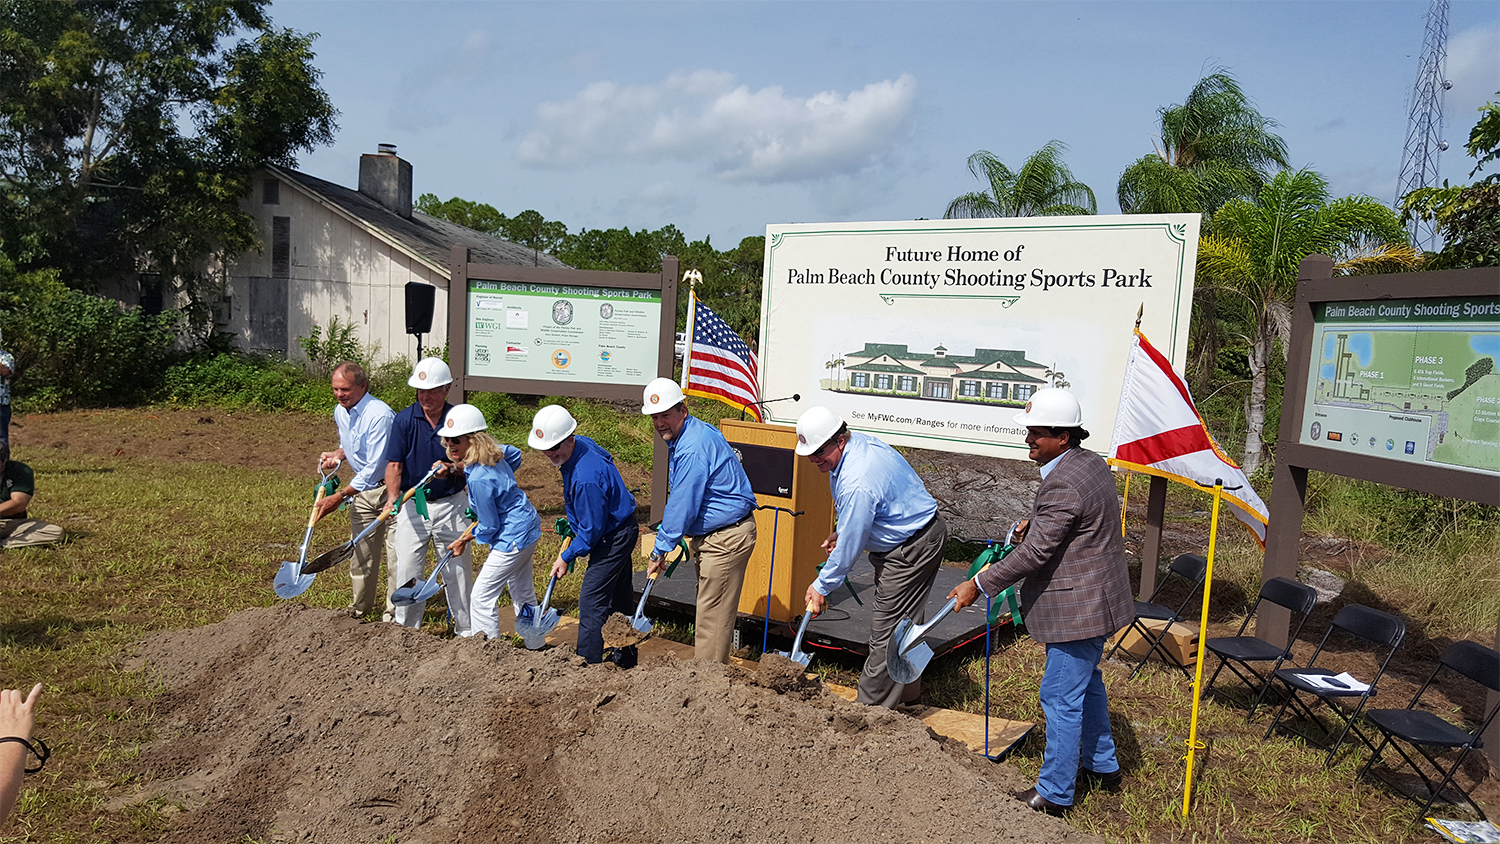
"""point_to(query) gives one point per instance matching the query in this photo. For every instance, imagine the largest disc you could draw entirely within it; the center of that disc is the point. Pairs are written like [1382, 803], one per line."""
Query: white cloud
[737, 134]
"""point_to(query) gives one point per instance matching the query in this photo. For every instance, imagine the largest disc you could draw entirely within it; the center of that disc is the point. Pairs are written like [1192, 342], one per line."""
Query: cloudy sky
[722, 117]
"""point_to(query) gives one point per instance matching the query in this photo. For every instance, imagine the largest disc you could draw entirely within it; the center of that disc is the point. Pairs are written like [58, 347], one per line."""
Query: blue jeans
[605, 589]
[1077, 711]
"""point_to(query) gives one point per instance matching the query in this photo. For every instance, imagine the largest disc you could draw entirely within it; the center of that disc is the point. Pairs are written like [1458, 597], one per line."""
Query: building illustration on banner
[1002, 377]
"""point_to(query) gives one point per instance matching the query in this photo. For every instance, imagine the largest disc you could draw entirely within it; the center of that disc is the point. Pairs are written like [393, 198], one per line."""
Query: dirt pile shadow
[296, 724]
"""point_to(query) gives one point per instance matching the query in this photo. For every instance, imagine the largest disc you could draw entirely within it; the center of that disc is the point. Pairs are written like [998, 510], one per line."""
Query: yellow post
[1208, 582]
[1124, 500]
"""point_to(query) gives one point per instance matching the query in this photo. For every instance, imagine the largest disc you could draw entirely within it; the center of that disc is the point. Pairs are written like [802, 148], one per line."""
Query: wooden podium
[781, 479]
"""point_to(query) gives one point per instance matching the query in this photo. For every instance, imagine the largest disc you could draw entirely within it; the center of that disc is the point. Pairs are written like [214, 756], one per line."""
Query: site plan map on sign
[554, 332]
[1409, 379]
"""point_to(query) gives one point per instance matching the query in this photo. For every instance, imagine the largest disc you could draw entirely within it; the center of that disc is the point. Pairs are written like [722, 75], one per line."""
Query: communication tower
[1424, 129]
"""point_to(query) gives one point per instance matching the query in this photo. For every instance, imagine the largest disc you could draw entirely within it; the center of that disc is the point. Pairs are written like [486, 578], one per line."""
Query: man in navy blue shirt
[601, 512]
[412, 447]
[711, 504]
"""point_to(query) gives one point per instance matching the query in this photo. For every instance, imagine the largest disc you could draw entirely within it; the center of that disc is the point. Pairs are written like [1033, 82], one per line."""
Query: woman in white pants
[507, 521]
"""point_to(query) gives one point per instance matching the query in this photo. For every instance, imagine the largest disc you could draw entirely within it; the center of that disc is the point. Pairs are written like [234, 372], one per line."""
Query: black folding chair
[1239, 652]
[1378, 628]
[1422, 729]
[1190, 567]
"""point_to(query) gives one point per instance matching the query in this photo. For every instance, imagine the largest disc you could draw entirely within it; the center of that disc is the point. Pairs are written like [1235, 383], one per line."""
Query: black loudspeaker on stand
[419, 302]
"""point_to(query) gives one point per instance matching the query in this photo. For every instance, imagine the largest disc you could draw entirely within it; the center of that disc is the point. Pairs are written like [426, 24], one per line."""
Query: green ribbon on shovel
[1008, 599]
[564, 530]
[421, 499]
[681, 555]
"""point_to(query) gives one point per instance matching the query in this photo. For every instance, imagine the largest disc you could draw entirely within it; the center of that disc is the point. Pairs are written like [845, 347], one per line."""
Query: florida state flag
[1158, 431]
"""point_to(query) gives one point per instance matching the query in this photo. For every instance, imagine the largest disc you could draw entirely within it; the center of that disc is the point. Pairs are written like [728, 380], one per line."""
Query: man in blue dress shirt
[601, 512]
[364, 423]
[883, 508]
[414, 446]
[711, 504]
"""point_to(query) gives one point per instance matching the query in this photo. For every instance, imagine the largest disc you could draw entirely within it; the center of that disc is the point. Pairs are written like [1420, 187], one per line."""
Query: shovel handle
[807, 615]
[406, 496]
[312, 518]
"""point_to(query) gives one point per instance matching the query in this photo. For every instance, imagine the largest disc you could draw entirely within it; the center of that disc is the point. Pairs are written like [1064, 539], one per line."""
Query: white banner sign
[934, 333]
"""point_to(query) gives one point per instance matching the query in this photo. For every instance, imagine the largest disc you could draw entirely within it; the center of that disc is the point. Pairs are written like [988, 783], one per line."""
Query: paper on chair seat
[1344, 682]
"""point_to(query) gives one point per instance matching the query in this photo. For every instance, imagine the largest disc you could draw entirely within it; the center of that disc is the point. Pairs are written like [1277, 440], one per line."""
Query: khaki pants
[722, 557]
[364, 566]
[20, 533]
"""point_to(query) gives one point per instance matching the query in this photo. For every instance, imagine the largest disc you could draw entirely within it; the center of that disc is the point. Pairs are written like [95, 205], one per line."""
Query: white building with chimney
[330, 251]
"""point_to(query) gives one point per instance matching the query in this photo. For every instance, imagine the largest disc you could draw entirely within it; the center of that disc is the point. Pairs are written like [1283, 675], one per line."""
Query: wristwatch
[655, 556]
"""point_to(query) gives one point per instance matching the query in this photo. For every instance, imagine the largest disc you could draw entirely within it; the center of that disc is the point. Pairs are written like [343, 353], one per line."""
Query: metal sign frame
[461, 271]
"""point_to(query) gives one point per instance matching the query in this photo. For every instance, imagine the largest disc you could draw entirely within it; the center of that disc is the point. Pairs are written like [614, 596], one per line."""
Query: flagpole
[1125, 497]
[692, 277]
[1208, 582]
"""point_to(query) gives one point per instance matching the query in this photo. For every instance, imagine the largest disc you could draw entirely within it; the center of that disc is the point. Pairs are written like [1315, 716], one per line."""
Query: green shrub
[231, 379]
[341, 344]
[77, 350]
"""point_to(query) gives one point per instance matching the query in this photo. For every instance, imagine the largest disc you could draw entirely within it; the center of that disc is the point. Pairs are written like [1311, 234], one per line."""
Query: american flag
[718, 363]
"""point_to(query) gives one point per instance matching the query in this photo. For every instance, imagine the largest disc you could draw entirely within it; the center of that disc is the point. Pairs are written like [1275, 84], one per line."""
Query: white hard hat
[1051, 407]
[429, 373]
[463, 419]
[551, 425]
[815, 427]
[661, 394]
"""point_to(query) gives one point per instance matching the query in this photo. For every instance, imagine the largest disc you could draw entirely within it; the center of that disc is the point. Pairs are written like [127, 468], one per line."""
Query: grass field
[159, 543]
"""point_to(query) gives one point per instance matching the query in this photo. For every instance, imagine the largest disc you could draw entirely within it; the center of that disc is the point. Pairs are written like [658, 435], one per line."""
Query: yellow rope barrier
[1208, 581]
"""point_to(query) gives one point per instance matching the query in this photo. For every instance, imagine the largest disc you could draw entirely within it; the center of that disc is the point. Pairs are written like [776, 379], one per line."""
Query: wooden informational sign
[545, 331]
[935, 333]
[1389, 358]
[1377, 362]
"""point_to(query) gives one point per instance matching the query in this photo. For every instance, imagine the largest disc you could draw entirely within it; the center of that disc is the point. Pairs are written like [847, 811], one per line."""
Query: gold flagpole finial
[1138, 314]
[692, 277]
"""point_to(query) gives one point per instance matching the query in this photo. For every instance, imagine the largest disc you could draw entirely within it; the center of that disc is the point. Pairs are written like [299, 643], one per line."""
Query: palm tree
[1214, 147]
[1250, 259]
[1043, 187]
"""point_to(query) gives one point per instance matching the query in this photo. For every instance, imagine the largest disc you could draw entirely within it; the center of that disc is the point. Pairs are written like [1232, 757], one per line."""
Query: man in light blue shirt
[364, 422]
[883, 508]
[711, 504]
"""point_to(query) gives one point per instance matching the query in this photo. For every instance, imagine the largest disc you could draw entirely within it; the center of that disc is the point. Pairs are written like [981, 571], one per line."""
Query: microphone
[792, 397]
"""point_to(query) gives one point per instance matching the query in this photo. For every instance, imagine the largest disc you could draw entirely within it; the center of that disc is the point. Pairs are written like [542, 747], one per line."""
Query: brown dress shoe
[1040, 803]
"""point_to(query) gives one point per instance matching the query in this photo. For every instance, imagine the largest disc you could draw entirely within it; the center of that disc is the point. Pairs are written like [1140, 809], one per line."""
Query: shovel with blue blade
[907, 656]
[534, 623]
[639, 621]
[291, 579]
[414, 591]
[329, 559]
[798, 655]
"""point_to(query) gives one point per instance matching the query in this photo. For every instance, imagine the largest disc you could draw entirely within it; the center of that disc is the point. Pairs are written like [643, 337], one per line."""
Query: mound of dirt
[293, 724]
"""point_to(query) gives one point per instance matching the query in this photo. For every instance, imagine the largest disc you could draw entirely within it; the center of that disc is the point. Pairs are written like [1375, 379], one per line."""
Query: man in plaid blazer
[1075, 592]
